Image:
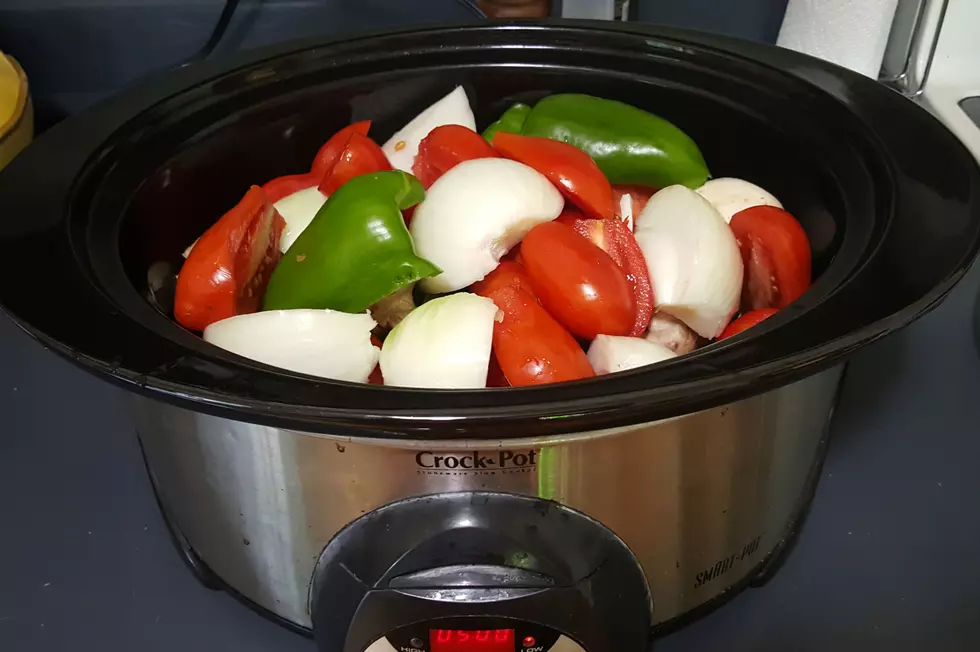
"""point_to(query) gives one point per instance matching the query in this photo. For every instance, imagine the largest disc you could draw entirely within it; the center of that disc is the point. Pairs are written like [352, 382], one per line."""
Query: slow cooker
[588, 515]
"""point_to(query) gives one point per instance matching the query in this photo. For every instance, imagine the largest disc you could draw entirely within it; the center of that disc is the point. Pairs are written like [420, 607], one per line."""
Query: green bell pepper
[356, 251]
[630, 145]
[511, 121]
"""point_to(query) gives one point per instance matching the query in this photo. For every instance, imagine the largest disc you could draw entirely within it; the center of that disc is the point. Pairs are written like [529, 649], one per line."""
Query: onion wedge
[444, 343]
[322, 343]
[453, 109]
[729, 196]
[474, 214]
[693, 259]
[611, 353]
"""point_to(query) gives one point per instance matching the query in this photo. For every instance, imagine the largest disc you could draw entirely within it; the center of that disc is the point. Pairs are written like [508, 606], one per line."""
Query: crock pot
[584, 515]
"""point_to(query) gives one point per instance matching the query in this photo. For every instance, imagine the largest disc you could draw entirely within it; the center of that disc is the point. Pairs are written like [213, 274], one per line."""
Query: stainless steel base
[701, 500]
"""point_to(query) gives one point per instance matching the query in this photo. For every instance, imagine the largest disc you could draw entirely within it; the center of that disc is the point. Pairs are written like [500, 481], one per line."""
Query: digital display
[471, 640]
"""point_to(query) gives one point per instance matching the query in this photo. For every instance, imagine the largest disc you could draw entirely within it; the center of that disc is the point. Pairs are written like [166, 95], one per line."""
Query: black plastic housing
[483, 561]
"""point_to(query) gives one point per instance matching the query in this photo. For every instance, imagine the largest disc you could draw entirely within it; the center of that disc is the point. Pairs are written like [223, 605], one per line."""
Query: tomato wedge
[578, 283]
[282, 187]
[361, 156]
[530, 346]
[327, 157]
[446, 147]
[573, 171]
[775, 254]
[495, 375]
[507, 274]
[615, 238]
[376, 378]
[628, 202]
[227, 271]
[747, 321]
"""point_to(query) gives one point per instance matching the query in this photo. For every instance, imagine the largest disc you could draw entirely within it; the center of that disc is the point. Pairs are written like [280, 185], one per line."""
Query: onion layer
[321, 343]
[693, 259]
[444, 343]
[474, 214]
[611, 353]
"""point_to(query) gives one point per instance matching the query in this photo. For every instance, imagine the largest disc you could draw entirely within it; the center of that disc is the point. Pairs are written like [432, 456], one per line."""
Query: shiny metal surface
[699, 499]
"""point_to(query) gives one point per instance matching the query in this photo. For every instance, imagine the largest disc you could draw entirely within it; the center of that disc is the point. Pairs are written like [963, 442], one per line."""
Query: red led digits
[480, 640]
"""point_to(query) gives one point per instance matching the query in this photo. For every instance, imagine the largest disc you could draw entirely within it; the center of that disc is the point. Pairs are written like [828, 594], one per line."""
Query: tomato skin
[281, 187]
[446, 147]
[578, 283]
[572, 171]
[227, 271]
[530, 346]
[327, 157]
[615, 238]
[638, 198]
[376, 378]
[507, 274]
[495, 375]
[775, 254]
[361, 156]
[747, 321]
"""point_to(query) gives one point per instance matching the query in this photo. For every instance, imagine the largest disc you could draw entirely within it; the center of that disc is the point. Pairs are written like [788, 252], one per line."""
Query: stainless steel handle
[912, 45]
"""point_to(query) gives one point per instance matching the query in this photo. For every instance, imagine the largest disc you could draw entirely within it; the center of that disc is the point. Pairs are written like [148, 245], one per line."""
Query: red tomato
[507, 274]
[376, 378]
[776, 256]
[361, 156]
[637, 198]
[530, 346]
[495, 375]
[579, 283]
[615, 238]
[573, 171]
[446, 147]
[746, 321]
[228, 269]
[281, 187]
[327, 157]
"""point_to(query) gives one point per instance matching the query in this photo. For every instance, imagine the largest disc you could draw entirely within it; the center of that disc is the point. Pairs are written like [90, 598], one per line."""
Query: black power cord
[218, 33]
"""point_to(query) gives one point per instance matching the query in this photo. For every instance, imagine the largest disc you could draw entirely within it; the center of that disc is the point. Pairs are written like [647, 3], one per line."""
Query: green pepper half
[630, 145]
[356, 251]
[511, 121]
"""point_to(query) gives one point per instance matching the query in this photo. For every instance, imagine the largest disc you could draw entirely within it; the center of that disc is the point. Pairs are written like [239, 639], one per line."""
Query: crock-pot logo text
[475, 462]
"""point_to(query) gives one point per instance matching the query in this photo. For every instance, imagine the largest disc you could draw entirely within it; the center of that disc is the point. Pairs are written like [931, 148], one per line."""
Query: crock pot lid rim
[825, 354]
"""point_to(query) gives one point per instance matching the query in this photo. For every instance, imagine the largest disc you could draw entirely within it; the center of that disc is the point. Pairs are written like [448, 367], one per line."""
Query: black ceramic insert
[98, 210]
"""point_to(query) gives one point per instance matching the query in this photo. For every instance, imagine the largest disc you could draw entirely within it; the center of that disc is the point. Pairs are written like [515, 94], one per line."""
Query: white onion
[298, 210]
[693, 259]
[474, 213]
[444, 343]
[611, 353]
[729, 196]
[323, 343]
[671, 332]
[190, 247]
[626, 209]
[453, 109]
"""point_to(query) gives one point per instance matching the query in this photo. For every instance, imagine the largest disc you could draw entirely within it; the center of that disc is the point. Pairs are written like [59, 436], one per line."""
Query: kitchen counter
[887, 560]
